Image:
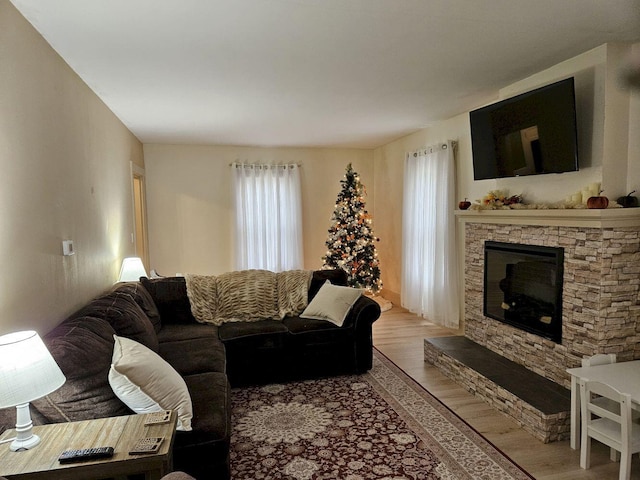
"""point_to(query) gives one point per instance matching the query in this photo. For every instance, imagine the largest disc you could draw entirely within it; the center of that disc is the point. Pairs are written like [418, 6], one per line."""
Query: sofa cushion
[297, 325]
[196, 355]
[332, 303]
[170, 296]
[125, 316]
[82, 347]
[255, 332]
[336, 277]
[140, 295]
[182, 331]
[256, 351]
[308, 334]
[208, 443]
[147, 383]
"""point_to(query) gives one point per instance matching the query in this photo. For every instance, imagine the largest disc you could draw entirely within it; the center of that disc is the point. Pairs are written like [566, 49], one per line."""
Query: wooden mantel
[570, 217]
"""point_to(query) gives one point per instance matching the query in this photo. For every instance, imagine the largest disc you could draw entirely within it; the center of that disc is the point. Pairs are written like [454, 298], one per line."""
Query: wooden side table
[121, 433]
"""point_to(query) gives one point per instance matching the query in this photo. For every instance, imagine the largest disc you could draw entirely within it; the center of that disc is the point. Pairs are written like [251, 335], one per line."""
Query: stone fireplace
[600, 298]
[523, 374]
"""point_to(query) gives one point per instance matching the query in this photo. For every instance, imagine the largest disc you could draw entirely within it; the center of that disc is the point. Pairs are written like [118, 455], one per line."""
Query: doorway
[140, 214]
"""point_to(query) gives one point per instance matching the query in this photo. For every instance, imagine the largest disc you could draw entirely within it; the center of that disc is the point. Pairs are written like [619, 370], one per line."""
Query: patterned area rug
[380, 425]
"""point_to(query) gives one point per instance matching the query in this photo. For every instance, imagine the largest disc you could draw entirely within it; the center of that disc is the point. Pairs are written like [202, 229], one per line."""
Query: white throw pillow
[332, 303]
[146, 383]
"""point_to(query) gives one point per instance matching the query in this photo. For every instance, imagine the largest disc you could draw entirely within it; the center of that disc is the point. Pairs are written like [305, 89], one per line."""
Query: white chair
[599, 359]
[615, 430]
[605, 359]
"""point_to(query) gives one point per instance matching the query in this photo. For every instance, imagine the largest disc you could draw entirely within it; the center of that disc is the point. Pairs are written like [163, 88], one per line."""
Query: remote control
[156, 418]
[85, 454]
[146, 445]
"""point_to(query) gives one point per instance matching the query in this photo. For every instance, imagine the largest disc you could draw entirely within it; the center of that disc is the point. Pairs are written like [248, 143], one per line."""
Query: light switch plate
[67, 247]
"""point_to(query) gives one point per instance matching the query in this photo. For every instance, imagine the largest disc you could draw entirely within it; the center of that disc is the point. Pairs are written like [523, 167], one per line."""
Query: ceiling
[323, 73]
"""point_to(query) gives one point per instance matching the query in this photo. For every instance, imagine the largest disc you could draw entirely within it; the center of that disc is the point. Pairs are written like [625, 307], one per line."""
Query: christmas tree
[351, 241]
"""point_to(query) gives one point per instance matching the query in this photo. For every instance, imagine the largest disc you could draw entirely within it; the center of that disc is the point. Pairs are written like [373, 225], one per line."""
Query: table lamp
[132, 269]
[27, 372]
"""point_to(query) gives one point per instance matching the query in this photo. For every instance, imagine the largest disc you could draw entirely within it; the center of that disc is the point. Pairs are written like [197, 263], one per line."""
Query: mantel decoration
[501, 200]
[497, 199]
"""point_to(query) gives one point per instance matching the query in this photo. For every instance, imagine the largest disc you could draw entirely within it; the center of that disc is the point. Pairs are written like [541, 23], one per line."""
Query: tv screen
[529, 134]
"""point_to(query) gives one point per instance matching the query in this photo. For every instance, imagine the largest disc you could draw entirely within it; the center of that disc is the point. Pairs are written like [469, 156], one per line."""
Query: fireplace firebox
[523, 287]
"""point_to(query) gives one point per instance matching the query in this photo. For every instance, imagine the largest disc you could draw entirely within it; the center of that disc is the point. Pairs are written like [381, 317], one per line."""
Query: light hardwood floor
[399, 335]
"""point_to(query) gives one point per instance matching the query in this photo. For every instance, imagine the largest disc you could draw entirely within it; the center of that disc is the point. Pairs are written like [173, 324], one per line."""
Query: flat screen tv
[529, 134]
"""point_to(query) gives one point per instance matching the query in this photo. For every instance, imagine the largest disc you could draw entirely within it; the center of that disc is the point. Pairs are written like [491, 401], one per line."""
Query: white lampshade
[132, 269]
[27, 372]
[27, 369]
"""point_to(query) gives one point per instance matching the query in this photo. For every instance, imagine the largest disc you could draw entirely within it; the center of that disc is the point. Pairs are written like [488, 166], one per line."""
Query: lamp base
[25, 438]
[24, 444]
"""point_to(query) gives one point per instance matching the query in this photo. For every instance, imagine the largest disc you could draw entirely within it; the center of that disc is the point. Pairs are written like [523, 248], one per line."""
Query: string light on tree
[351, 242]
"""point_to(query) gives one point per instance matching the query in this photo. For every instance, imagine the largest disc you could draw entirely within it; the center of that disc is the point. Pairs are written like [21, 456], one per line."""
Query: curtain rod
[266, 164]
[431, 148]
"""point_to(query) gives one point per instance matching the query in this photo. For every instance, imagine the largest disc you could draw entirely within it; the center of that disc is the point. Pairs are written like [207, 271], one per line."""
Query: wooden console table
[41, 462]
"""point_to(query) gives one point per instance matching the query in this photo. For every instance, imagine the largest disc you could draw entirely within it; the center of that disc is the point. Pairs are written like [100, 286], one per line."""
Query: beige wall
[608, 126]
[190, 201]
[65, 163]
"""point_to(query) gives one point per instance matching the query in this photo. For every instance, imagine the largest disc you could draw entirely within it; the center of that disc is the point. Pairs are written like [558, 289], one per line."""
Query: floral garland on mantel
[501, 200]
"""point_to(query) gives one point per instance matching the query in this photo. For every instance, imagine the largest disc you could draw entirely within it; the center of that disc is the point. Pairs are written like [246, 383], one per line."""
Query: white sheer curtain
[429, 263]
[268, 217]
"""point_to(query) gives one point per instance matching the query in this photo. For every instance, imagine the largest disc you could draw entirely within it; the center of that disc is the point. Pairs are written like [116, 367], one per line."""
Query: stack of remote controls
[142, 446]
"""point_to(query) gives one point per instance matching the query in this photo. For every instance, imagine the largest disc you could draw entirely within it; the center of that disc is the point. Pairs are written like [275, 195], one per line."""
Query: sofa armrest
[361, 317]
[363, 313]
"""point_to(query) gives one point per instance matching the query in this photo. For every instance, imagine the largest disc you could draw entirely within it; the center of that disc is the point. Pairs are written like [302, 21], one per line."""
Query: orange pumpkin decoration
[464, 204]
[598, 202]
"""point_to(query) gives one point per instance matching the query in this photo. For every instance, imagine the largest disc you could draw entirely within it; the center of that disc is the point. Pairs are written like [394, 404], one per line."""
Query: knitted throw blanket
[248, 295]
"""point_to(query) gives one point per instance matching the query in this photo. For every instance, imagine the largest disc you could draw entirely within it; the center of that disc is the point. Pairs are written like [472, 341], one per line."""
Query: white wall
[65, 163]
[602, 130]
[190, 201]
[608, 126]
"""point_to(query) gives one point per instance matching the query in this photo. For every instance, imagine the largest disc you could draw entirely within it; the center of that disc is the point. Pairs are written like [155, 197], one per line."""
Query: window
[268, 217]
[429, 264]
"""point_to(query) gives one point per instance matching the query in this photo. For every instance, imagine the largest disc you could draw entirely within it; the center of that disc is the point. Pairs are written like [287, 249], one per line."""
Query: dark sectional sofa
[210, 359]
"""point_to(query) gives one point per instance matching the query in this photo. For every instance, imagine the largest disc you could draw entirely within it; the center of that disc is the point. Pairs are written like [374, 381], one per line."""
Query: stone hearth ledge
[536, 404]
